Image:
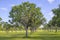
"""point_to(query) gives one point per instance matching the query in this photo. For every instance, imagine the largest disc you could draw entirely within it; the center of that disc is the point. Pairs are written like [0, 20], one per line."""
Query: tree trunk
[56, 29]
[26, 31]
[50, 29]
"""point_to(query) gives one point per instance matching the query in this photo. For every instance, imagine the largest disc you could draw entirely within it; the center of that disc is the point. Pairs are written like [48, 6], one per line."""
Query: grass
[38, 35]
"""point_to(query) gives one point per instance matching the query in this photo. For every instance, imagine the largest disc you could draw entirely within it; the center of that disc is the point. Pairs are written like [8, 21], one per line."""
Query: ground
[38, 35]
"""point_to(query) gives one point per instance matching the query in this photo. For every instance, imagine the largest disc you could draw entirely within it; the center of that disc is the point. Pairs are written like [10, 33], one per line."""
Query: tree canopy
[56, 18]
[0, 18]
[27, 14]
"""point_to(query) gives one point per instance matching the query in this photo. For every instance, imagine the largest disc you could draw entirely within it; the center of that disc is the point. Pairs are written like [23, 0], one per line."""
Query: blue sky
[45, 5]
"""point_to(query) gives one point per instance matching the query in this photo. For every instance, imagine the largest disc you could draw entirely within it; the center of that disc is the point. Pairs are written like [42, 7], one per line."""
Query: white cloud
[13, 5]
[51, 14]
[51, 1]
[5, 9]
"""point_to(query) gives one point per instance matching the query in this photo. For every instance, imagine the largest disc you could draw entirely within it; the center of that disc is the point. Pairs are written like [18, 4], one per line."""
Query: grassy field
[38, 35]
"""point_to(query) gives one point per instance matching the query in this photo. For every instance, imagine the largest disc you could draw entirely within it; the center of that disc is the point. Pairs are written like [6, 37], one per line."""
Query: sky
[45, 5]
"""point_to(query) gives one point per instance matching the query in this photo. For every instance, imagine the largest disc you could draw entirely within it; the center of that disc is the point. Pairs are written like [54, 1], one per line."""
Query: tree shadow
[41, 36]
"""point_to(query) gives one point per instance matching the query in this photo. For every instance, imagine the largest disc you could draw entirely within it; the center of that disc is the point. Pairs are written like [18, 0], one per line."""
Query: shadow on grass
[6, 38]
[42, 37]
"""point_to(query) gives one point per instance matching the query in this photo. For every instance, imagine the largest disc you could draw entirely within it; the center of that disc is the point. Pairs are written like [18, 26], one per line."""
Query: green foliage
[27, 14]
[56, 18]
[0, 22]
[0, 19]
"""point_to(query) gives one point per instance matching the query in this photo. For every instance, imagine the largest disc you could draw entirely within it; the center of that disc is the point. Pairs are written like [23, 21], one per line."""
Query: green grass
[38, 35]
